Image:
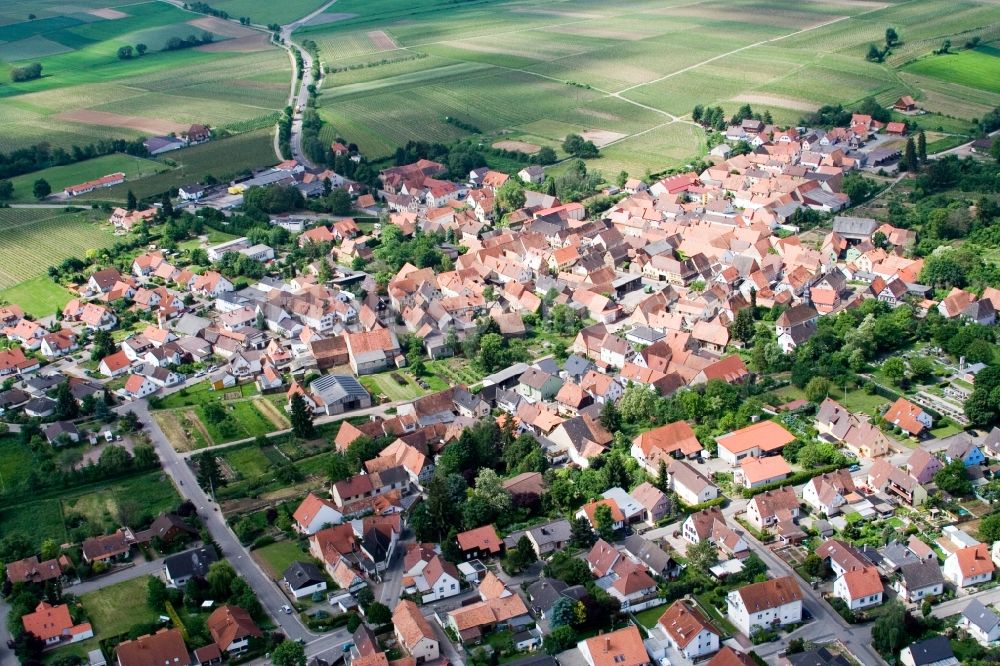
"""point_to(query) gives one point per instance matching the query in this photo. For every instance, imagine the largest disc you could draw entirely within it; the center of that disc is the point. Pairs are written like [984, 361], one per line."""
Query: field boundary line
[754, 45]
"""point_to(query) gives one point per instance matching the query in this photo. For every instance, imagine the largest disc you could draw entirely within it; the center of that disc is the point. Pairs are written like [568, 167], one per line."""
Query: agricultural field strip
[619, 94]
[744, 48]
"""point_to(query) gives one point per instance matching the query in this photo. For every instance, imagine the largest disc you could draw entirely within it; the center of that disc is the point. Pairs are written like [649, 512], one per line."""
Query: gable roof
[683, 623]
[768, 435]
[411, 625]
[480, 538]
[228, 624]
[618, 648]
[772, 593]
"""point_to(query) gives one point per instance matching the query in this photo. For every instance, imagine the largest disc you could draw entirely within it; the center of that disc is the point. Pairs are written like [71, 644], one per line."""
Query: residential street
[826, 624]
[270, 596]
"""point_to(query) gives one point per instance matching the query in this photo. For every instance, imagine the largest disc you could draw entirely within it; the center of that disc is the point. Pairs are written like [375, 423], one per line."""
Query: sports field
[87, 93]
[32, 239]
[535, 72]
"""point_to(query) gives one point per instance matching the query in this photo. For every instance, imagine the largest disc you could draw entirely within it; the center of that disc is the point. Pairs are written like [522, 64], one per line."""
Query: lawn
[129, 502]
[31, 240]
[976, 68]
[385, 384]
[858, 400]
[244, 421]
[945, 428]
[202, 393]
[276, 557]
[649, 617]
[61, 177]
[16, 462]
[115, 609]
[247, 461]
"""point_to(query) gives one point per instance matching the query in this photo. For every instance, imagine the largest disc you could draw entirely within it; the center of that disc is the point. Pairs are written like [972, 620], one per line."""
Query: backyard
[115, 609]
[277, 557]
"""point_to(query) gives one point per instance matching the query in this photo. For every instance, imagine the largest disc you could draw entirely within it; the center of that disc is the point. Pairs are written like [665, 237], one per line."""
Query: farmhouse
[104, 181]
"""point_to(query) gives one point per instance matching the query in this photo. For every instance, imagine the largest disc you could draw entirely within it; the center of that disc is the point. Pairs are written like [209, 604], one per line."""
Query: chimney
[607, 643]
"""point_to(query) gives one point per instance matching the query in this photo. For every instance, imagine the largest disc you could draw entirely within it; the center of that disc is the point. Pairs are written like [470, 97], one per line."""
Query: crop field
[527, 71]
[236, 81]
[31, 240]
[977, 68]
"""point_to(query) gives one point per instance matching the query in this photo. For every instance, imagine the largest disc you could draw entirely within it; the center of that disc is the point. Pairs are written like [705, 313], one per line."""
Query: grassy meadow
[537, 72]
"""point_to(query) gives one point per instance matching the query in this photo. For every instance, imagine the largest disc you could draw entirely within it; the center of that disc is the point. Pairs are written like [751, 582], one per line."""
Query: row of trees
[127, 52]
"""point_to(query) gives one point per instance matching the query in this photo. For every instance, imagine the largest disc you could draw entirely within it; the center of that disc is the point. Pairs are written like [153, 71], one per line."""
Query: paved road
[138, 570]
[299, 100]
[957, 605]
[826, 623]
[271, 598]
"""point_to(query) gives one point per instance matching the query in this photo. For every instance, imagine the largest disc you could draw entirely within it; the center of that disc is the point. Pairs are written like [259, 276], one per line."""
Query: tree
[103, 345]
[575, 145]
[995, 151]
[945, 46]
[41, 189]
[125, 53]
[989, 528]
[894, 369]
[610, 418]
[6, 190]
[489, 488]
[953, 480]
[339, 201]
[697, 112]
[511, 195]
[66, 405]
[580, 535]
[130, 201]
[703, 555]
[891, 37]
[922, 146]
[921, 368]
[26, 72]
[546, 155]
[605, 522]
[889, 634]
[910, 162]
[220, 579]
[563, 612]
[621, 179]
[156, 594]
[523, 554]
[815, 566]
[874, 54]
[743, 328]
[289, 653]
[209, 474]
[378, 614]
[141, 49]
[662, 477]
[302, 418]
[817, 389]
[559, 640]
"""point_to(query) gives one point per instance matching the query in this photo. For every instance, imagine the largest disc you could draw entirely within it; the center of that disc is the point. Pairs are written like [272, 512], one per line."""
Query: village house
[776, 602]
[623, 647]
[414, 632]
[53, 625]
[908, 417]
[688, 630]
[761, 438]
[692, 487]
[969, 566]
[772, 507]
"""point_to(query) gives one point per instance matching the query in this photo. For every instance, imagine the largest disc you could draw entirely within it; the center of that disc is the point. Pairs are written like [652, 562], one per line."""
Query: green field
[236, 82]
[278, 556]
[977, 68]
[115, 609]
[506, 67]
[32, 239]
[222, 159]
[61, 177]
[38, 296]
[269, 12]
[77, 514]
[385, 384]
